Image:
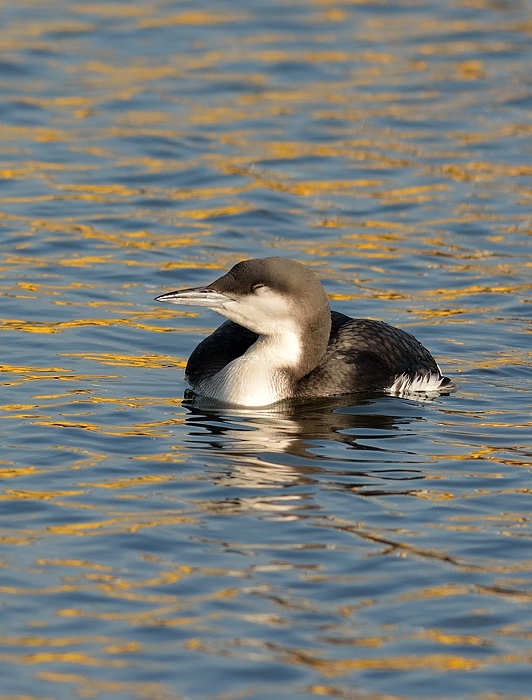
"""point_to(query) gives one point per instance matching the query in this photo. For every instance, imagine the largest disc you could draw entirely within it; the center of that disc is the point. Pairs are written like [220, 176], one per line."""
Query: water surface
[362, 547]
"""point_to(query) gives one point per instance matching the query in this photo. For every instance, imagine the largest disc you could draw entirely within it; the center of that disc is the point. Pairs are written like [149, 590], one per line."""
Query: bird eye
[258, 285]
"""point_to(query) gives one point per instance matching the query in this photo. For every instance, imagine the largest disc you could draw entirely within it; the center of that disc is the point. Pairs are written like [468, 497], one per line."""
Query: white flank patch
[419, 384]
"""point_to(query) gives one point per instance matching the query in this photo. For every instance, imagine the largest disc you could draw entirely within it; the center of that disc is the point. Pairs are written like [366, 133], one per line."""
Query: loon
[282, 341]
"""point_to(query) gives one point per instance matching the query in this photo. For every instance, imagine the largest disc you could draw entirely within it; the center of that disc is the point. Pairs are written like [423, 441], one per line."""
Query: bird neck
[267, 372]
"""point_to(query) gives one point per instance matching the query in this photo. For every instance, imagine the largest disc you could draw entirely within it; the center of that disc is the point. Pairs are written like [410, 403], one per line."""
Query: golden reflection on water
[377, 65]
[358, 215]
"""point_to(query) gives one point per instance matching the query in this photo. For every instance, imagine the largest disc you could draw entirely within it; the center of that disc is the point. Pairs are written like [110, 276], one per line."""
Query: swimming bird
[282, 341]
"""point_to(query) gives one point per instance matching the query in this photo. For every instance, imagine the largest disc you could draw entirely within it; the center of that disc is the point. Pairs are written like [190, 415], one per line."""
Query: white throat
[259, 377]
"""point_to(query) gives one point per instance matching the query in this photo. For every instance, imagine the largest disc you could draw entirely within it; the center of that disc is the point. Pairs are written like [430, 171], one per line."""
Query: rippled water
[369, 548]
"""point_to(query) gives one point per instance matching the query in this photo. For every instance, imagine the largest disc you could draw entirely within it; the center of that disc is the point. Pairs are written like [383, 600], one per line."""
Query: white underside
[231, 386]
[258, 377]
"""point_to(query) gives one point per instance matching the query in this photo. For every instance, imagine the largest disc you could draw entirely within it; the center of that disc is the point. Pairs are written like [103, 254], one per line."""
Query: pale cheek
[272, 307]
[263, 313]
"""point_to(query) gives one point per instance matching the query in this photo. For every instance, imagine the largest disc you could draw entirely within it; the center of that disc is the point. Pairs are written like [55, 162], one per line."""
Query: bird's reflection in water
[345, 442]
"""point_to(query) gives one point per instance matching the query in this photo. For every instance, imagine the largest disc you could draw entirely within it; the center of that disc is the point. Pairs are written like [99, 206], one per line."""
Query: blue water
[364, 547]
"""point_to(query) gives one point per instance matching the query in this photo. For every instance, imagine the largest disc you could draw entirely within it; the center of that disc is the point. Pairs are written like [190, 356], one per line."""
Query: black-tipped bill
[198, 296]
